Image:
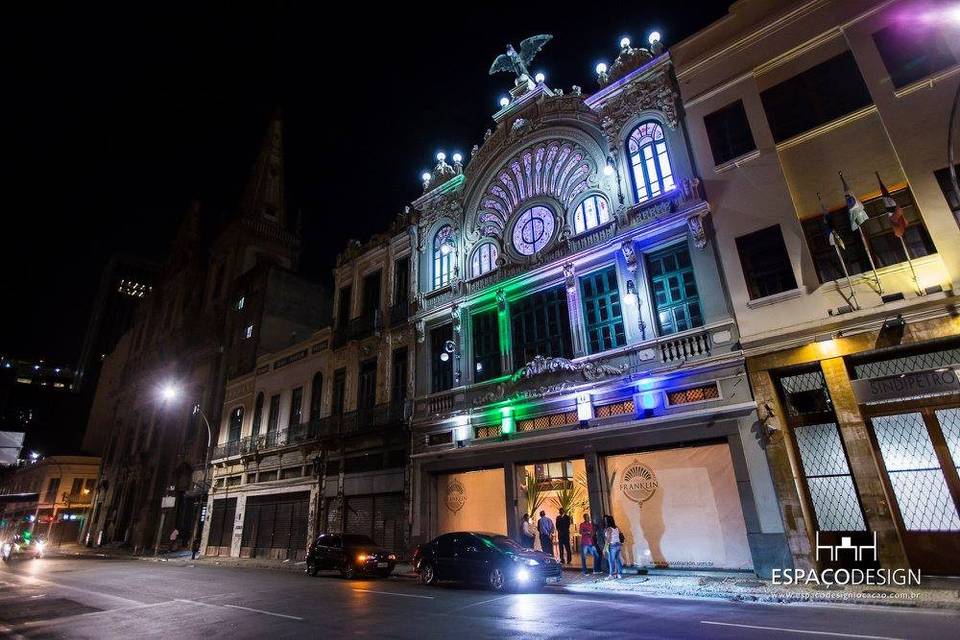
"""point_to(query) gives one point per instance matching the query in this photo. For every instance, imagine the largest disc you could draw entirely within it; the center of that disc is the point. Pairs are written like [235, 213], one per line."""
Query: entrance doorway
[918, 452]
[549, 487]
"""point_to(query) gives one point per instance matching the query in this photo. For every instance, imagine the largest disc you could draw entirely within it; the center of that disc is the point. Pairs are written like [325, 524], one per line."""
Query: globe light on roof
[457, 157]
[601, 68]
[441, 156]
[540, 78]
[624, 42]
[654, 37]
[504, 101]
[425, 176]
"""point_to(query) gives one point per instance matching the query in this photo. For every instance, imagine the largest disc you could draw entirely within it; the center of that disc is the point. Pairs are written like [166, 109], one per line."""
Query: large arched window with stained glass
[533, 230]
[649, 162]
[442, 256]
[484, 259]
[592, 212]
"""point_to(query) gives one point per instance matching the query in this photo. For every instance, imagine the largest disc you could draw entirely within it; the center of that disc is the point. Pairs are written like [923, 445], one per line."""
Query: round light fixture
[607, 170]
[457, 157]
[425, 176]
[540, 78]
[441, 156]
[601, 68]
[624, 42]
[654, 37]
[504, 101]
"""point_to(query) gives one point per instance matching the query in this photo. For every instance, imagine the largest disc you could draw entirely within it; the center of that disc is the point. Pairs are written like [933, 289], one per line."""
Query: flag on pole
[858, 214]
[832, 236]
[897, 220]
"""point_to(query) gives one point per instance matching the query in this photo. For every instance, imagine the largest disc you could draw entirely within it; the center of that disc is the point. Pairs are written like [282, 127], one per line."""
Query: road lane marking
[477, 604]
[392, 593]
[266, 613]
[835, 634]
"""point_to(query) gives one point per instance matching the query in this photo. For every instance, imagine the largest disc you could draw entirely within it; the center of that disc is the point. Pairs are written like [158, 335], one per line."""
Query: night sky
[117, 117]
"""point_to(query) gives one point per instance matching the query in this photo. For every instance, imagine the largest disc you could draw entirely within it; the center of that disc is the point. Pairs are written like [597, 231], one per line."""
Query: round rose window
[533, 230]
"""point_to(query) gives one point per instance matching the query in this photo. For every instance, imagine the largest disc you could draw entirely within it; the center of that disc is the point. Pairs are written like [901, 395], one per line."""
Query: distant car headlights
[392, 557]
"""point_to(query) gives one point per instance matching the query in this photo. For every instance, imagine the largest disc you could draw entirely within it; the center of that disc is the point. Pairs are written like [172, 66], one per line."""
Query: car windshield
[503, 543]
[353, 540]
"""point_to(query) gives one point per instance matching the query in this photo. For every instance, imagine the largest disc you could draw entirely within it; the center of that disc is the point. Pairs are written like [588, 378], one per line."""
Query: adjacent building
[227, 293]
[576, 346]
[847, 316]
[314, 438]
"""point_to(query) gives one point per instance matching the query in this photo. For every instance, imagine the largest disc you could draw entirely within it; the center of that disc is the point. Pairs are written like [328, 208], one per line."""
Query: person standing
[545, 528]
[598, 540]
[563, 536]
[588, 545]
[526, 532]
[614, 546]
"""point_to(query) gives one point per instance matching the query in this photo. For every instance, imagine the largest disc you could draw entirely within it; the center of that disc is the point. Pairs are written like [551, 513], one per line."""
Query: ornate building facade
[575, 345]
[846, 302]
[226, 294]
[314, 438]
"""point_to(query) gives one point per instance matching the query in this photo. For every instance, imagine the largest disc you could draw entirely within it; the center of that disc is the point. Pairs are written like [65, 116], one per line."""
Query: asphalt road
[99, 598]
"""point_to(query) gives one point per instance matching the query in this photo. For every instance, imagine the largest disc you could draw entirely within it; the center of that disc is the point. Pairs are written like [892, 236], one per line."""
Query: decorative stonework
[541, 365]
[697, 232]
[570, 276]
[658, 94]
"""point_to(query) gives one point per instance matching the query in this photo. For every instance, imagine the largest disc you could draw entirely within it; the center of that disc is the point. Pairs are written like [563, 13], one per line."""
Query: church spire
[263, 197]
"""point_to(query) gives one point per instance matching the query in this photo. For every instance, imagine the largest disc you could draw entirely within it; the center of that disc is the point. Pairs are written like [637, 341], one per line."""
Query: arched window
[316, 396]
[236, 423]
[649, 162]
[591, 213]
[484, 259]
[533, 230]
[442, 256]
[257, 415]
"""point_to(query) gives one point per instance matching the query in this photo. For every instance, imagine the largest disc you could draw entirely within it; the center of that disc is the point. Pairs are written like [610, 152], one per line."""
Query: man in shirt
[588, 544]
[563, 536]
[545, 528]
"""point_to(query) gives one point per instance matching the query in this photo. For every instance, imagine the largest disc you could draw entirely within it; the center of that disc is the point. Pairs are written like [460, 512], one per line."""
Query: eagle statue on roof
[513, 62]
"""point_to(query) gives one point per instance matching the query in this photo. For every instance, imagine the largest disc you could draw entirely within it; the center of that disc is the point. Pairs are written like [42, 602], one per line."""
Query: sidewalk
[935, 593]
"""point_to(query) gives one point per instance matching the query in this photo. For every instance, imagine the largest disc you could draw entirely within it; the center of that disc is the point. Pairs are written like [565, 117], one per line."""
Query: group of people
[597, 539]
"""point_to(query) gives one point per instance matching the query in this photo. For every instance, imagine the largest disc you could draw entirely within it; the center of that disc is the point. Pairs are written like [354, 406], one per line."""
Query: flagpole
[873, 267]
[853, 294]
[916, 281]
[857, 219]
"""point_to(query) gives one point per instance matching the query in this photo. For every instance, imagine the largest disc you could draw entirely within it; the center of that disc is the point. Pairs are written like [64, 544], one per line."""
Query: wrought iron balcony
[353, 422]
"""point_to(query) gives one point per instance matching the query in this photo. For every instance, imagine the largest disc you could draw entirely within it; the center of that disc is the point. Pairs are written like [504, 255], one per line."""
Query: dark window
[367, 384]
[401, 280]
[674, 289]
[766, 265]
[602, 313]
[729, 132]
[316, 395]
[257, 414]
[398, 378]
[912, 51]
[951, 194]
[296, 407]
[441, 360]
[541, 326]
[820, 94]
[274, 416]
[445, 437]
[486, 345]
[236, 424]
[52, 488]
[884, 245]
[339, 390]
[343, 308]
[371, 293]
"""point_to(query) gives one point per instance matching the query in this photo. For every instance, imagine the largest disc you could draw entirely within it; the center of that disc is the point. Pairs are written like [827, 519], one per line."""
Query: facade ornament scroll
[501, 300]
[657, 93]
[589, 370]
[421, 330]
[630, 255]
[697, 231]
[570, 276]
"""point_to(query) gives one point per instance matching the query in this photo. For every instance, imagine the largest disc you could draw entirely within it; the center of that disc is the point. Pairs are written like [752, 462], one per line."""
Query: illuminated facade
[575, 344]
[853, 343]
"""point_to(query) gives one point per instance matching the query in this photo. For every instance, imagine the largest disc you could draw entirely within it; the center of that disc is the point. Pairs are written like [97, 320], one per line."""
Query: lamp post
[170, 393]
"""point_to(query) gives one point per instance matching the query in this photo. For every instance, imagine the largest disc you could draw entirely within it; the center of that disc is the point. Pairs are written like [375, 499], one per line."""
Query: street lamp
[170, 392]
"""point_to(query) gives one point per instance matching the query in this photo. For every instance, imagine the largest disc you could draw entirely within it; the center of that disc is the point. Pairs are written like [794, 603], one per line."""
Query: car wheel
[427, 573]
[497, 580]
[348, 571]
[312, 568]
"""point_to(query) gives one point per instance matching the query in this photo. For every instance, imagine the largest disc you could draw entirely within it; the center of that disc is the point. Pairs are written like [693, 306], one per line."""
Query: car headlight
[522, 575]
[362, 557]
[40, 544]
[392, 557]
[530, 562]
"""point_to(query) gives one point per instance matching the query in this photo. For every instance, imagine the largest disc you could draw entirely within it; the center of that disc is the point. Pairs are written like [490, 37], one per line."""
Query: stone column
[237, 527]
[574, 312]
[856, 439]
[510, 499]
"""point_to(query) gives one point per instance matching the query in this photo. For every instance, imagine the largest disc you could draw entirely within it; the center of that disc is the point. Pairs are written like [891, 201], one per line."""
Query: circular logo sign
[456, 496]
[639, 482]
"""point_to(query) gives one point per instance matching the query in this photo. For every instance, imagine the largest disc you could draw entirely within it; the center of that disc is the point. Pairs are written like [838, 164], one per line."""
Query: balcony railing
[353, 422]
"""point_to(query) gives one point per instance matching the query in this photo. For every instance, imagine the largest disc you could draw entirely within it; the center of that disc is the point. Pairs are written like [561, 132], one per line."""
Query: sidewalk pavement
[935, 593]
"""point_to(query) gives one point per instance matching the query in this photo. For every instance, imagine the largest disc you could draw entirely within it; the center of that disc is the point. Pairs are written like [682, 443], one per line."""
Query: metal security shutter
[276, 525]
[298, 527]
[388, 520]
[359, 515]
[221, 524]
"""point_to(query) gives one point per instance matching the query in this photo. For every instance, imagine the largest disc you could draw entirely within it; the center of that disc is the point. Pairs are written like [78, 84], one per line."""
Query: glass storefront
[679, 508]
[548, 486]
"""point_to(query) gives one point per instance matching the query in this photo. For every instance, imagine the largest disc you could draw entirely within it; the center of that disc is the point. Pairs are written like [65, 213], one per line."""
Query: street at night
[105, 599]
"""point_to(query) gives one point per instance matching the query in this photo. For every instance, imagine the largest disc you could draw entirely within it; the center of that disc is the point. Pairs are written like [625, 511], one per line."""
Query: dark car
[351, 554]
[485, 558]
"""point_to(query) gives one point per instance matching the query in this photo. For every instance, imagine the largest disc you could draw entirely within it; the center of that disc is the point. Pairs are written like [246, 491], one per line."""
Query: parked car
[20, 545]
[486, 558]
[351, 554]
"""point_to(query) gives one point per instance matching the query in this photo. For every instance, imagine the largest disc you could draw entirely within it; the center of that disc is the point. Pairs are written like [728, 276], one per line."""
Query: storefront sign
[456, 495]
[639, 482]
[915, 383]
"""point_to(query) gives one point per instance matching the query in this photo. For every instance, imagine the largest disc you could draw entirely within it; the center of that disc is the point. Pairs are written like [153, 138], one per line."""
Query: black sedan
[351, 554]
[484, 558]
